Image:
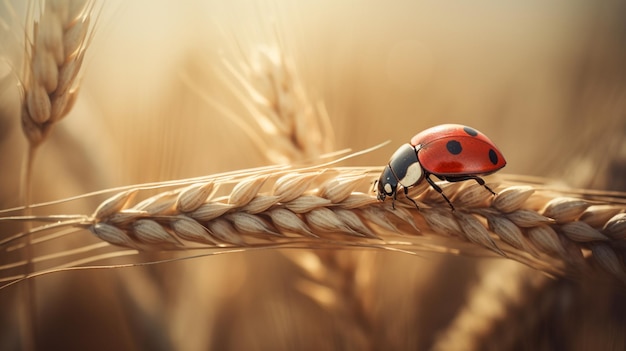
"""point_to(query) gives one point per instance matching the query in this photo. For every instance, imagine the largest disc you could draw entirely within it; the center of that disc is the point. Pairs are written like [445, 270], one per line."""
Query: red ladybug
[450, 152]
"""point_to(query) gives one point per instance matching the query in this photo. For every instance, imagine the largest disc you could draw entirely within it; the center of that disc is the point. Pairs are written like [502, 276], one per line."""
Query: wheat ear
[53, 60]
[292, 127]
[556, 234]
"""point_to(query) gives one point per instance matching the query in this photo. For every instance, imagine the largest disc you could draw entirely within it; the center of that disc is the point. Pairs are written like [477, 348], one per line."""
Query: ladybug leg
[438, 189]
[406, 194]
[478, 180]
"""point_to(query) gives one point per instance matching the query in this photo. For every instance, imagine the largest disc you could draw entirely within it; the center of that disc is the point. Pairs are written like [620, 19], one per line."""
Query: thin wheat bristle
[264, 208]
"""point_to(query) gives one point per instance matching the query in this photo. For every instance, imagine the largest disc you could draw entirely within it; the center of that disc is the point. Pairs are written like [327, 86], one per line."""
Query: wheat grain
[527, 218]
[113, 235]
[564, 210]
[581, 232]
[512, 198]
[193, 197]
[509, 233]
[615, 227]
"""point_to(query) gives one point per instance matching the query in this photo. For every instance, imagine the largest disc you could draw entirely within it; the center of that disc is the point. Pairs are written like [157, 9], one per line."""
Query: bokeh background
[545, 80]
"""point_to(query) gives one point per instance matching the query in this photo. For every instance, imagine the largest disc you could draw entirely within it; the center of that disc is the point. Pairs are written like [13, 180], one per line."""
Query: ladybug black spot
[454, 147]
[470, 131]
[493, 157]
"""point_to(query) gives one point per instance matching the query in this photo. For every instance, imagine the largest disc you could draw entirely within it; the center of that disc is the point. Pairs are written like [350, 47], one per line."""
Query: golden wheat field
[201, 175]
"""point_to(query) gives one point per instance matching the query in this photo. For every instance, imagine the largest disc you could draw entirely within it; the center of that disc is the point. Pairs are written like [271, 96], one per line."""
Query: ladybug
[450, 152]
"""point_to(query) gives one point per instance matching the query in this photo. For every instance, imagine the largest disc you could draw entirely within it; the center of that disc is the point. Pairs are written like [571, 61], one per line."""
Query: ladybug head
[387, 184]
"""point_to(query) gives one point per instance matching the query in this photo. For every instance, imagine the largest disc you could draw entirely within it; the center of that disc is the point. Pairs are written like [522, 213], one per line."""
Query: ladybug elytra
[450, 152]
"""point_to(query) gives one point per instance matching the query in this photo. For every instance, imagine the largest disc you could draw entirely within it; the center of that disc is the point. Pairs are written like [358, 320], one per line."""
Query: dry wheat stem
[559, 235]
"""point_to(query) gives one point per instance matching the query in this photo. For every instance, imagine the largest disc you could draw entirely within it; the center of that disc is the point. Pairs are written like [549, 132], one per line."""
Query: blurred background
[546, 81]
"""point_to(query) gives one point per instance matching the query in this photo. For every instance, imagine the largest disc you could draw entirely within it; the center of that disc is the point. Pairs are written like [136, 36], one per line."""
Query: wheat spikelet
[54, 58]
